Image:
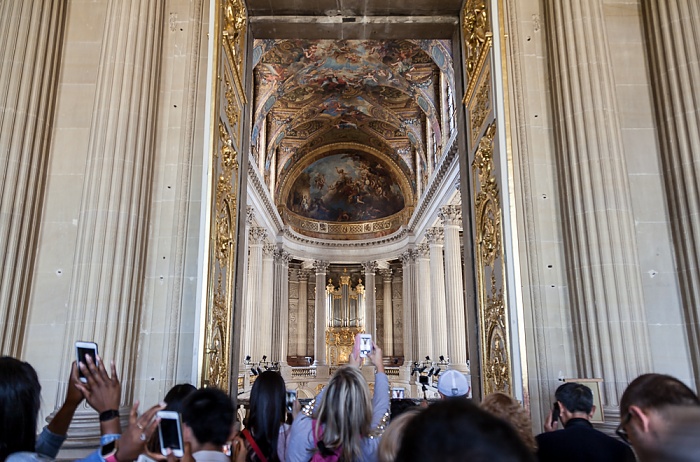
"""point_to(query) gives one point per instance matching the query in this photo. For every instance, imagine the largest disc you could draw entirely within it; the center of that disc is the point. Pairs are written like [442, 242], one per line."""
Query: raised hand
[101, 391]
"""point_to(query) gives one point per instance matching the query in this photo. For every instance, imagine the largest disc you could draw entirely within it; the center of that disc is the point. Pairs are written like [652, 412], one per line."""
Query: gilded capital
[451, 215]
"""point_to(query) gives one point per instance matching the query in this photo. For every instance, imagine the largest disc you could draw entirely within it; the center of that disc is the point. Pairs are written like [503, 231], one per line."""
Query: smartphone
[555, 412]
[291, 397]
[398, 393]
[82, 349]
[365, 345]
[170, 433]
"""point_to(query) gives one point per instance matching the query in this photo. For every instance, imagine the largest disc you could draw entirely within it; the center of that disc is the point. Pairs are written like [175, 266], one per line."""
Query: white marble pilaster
[302, 308]
[673, 36]
[424, 327]
[256, 240]
[29, 62]
[280, 319]
[408, 296]
[106, 288]
[451, 216]
[605, 288]
[370, 268]
[320, 267]
[437, 290]
[263, 332]
[388, 334]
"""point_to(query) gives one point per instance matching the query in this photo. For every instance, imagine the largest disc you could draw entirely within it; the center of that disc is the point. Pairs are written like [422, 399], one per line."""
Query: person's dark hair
[173, 400]
[176, 396]
[575, 396]
[656, 391]
[457, 430]
[267, 413]
[399, 406]
[209, 412]
[20, 399]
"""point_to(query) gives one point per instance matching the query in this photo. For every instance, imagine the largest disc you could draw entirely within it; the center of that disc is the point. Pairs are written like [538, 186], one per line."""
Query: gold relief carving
[233, 109]
[477, 36]
[219, 316]
[480, 107]
[339, 344]
[235, 22]
[352, 230]
[496, 367]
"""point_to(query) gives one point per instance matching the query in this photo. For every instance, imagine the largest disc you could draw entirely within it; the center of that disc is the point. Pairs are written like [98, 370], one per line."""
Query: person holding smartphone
[345, 424]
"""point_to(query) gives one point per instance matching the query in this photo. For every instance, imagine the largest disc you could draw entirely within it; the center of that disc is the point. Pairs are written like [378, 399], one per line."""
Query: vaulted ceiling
[347, 131]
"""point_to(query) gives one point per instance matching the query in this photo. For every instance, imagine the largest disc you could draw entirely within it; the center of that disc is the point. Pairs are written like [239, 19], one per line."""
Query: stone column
[370, 268]
[408, 294]
[451, 216]
[256, 240]
[302, 311]
[424, 327]
[280, 316]
[603, 271]
[320, 307]
[106, 287]
[263, 314]
[398, 325]
[388, 334]
[29, 63]
[437, 290]
[674, 47]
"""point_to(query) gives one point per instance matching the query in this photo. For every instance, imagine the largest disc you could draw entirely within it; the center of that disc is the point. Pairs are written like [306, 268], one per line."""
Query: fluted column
[601, 250]
[320, 267]
[106, 287]
[263, 330]
[29, 62]
[302, 310]
[437, 290]
[451, 216]
[280, 317]
[674, 44]
[408, 296]
[370, 268]
[388, 334]
[256, 240]
[424, 327]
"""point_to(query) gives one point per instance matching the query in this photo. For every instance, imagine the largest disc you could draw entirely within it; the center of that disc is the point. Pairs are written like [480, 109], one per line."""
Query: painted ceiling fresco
[387, 95]
[345, 187]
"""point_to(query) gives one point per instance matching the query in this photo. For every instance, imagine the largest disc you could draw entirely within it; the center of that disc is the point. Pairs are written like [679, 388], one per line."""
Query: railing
[303, 372]
[392, 371]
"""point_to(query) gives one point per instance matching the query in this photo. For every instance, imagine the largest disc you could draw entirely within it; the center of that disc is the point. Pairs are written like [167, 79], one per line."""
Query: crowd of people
[659, 421]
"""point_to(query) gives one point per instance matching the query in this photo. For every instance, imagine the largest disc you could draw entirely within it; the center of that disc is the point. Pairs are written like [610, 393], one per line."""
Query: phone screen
[169, 434]
[291, 397]
[82, 349]
[365, 345]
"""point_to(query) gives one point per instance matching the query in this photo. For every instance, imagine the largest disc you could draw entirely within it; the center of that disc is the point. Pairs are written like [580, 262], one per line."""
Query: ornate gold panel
[228, 103]
[477, 36]
[494, 343]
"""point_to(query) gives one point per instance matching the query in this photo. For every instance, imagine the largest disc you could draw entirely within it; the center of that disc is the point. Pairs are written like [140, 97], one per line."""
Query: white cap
[453, 383]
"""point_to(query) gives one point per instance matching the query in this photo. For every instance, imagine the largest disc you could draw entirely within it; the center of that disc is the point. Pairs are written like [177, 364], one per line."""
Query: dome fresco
[345, 187]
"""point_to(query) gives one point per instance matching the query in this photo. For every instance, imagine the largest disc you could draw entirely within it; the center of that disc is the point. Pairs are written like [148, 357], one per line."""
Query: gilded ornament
[477, 35]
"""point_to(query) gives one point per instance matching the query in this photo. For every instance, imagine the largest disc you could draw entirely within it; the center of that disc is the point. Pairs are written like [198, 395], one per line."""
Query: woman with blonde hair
[508, 409]
[345, 425]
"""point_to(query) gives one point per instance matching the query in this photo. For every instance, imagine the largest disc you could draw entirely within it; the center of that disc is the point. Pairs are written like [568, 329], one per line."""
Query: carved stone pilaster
[370, 268]
[387, 340]
[320, 312]
[451, 215]
[302, 315]
[435, 237]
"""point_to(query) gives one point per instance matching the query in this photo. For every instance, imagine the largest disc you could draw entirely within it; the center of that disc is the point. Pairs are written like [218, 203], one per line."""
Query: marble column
[256, 241]
[388, 334]
[437, 290]
[408, 296]
[370, 268]
[451, 216]
[320, 268]
[280, 301]
[424, 326]
[263, 331]
[605, 288]
[674, 44]
[302, 312]
[106, 289]
[29, 64]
